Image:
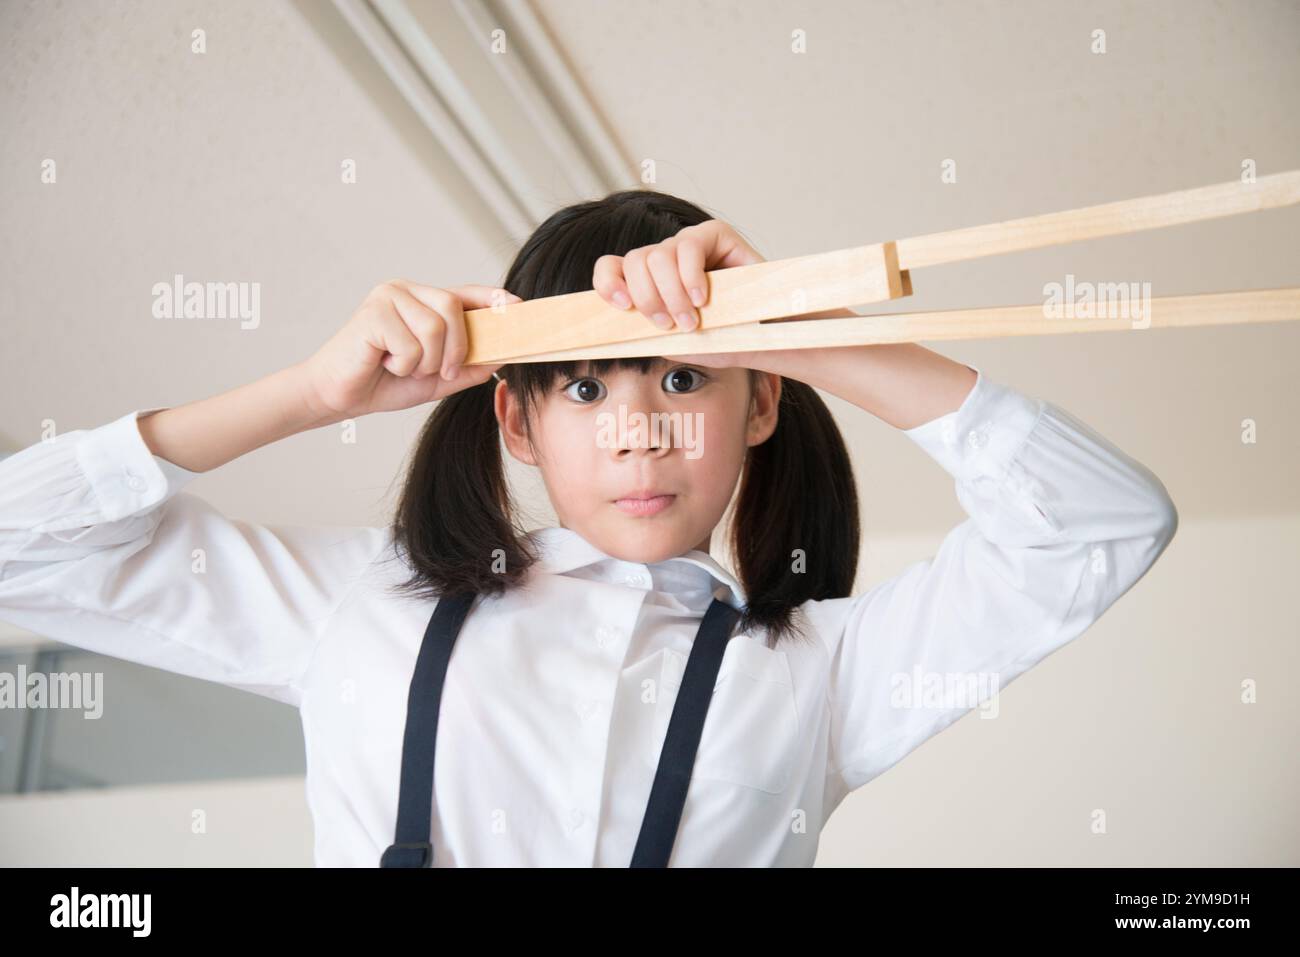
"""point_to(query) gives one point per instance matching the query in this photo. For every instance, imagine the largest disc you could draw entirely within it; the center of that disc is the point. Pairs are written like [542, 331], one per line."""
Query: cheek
[567, 451]
[716, 451]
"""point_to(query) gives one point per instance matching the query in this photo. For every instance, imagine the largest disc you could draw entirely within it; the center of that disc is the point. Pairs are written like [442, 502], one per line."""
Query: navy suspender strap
[663, 813]
[412, 846]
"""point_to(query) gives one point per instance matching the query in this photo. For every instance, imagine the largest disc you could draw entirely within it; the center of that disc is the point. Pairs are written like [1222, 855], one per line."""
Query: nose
[646, 435]
[652, 447]
[638, 428]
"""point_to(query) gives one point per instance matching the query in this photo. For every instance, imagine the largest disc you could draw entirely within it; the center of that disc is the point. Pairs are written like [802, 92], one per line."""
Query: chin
[647, 541]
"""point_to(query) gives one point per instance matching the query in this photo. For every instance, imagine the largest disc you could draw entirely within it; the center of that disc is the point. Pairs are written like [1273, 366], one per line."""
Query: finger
[724, 247]
[729, 248]
[431, 298]
[389, 333]
[692, 259]
[450, 305]
[474, 295]
[607, 280]
[643, 289]
[427, 324]
[456, 341]
[662, 263]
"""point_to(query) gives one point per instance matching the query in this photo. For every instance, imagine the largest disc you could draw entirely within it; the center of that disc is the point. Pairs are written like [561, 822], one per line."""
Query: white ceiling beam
[515, 121]
[567, 109]
[363, 20]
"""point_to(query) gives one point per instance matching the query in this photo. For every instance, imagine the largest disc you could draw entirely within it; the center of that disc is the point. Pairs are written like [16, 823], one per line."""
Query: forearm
[903, 384]
[207, 433]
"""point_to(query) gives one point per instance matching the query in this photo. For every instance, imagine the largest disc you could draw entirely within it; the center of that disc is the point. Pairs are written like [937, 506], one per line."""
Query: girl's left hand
[667, 279]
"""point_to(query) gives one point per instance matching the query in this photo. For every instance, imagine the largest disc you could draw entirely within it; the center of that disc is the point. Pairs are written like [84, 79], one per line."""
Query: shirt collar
[562, 550]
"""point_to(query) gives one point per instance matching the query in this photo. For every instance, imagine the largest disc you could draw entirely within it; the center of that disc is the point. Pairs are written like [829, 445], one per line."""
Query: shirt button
[604, 635]
[586, 708]
[978, 438]
[576, 817]
[134, 482]
[636, 581]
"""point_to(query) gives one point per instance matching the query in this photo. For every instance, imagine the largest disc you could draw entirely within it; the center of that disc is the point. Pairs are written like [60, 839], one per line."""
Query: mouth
[645, 502]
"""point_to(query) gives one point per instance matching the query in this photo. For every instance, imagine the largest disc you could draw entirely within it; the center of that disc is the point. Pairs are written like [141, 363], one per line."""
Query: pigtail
[454, 521]
[795, 529]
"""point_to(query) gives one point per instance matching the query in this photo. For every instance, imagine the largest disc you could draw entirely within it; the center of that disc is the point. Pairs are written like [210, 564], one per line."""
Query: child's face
[603, 442]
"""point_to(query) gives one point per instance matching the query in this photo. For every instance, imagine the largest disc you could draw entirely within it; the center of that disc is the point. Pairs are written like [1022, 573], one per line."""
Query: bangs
[533, 379]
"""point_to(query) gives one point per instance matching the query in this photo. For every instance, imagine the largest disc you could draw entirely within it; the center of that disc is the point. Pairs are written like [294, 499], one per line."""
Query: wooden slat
[743, 294]
[1107, 219]
[848, 277]
[1204, 309]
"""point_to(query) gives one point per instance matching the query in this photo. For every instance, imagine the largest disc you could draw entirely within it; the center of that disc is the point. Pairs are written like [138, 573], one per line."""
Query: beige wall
[226, 167]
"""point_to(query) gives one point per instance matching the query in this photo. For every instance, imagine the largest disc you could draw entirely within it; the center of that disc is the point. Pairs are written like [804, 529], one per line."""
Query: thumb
[484, 297]
[466, 377]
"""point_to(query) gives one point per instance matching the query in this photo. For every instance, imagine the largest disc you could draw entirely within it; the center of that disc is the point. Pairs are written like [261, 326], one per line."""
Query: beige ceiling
[225, 167]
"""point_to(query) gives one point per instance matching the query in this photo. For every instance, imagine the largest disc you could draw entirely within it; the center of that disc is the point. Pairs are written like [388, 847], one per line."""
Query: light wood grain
[743, 294]
[579, 323]
[1204, 309]
[1095, 222]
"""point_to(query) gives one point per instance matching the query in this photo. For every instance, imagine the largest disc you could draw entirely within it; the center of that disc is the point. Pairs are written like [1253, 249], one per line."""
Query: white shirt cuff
[124, 474]
[982, 436]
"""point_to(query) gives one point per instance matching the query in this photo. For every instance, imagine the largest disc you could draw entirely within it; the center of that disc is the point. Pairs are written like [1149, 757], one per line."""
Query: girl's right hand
[403, 346]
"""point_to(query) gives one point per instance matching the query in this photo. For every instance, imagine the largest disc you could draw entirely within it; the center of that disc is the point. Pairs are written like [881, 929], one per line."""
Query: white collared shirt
[558, 694]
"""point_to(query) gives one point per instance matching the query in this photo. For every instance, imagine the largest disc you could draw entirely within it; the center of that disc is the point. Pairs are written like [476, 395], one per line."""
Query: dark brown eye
[682, 379]
[588, 390]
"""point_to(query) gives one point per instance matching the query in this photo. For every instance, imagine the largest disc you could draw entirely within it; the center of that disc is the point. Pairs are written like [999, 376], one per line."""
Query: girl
[616, 696]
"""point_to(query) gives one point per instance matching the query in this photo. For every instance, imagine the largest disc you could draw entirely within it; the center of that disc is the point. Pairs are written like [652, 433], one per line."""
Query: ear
[510, 420]
[763, 406]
